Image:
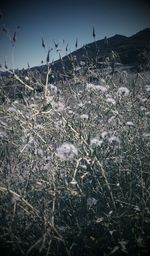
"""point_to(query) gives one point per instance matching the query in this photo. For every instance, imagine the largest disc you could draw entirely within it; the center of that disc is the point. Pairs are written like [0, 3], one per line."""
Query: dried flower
[111, 119]
[101, 88]
[67, 151]
[123, 91]
[81, 104]
[91, 201]
[84, 116]
[58, 106]
[104, 134]
[146, 135]
[52, 88]
[90, 86]
[27, 78]
[95, 142]
[111, 101]
[147, 88]
[114, 140]
[82, 63]
[129, 123]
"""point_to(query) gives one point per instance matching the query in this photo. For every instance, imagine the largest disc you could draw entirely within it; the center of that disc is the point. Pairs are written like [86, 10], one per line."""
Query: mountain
[131, 50]
[128, 48]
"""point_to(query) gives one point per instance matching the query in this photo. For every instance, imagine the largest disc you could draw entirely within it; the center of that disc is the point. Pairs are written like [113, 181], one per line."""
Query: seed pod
[6, 65]
[4, 29]
[76, 44]
[94, 35]
[66, 47]
[14, 37]
[48, 59]
[56, 45]
[43, 44]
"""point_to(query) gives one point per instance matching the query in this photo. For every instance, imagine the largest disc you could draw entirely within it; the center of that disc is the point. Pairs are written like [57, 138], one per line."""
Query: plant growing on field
[74, 170]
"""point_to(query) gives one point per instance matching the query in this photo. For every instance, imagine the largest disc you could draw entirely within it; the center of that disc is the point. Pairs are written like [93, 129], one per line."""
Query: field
[74, 169]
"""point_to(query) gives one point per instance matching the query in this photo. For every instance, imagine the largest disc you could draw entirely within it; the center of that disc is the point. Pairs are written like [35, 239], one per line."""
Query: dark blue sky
[68, 20]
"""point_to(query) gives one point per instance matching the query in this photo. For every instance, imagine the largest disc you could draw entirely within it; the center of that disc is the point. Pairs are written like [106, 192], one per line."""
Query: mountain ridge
[128, 48]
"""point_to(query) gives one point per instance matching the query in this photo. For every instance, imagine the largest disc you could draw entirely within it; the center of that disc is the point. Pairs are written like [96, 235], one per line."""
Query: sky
[63, 22]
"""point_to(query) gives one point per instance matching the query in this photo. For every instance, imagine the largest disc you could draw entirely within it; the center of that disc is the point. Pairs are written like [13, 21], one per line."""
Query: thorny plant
[74, 177]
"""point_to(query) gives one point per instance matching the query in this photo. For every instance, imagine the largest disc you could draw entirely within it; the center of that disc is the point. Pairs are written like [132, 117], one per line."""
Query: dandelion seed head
[143, 100]
[58, 106]
[83, 166]
[12, 109]
[147, 88]
[82, 63]
[27, 78]
[130, 123]
[101, 88]
[3, 134]
[80, 104]
[148, 145]
[52, 88]
[16, 102]
[95, 142]
[84, 117]
[124, 74]
[104, 134]
[89, 102]
[70, 112]
[143, 108]
[66, 151]
[114, 140]
[58, 124]
[99, 220]
[39, 126]
[90, 86]
[147, 113]
[123, 91]
[111, 119]
[91, 201]
[49, 99]
[108, 95]
[111, 101]
[146, 135]
[102, 81]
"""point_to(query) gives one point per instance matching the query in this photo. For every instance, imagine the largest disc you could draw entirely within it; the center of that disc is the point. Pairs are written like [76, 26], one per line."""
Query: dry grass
[74, 169]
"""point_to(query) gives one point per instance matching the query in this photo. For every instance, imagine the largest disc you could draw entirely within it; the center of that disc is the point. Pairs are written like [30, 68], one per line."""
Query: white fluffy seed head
[114, 140]
[130, 123]
[111, 101]
[95, 142]
[66, 151]
[84, 117]
[123, 91]
[147, 88]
